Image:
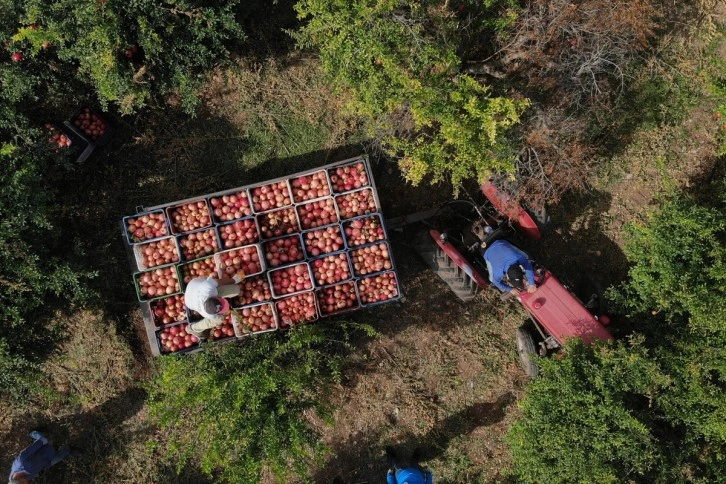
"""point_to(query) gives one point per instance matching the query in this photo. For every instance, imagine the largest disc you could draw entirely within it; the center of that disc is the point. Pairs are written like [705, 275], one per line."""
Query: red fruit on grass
[17, 56]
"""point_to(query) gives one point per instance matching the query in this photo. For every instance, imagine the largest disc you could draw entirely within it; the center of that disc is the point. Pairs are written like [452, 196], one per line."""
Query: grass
[447, 374]
[666, 130]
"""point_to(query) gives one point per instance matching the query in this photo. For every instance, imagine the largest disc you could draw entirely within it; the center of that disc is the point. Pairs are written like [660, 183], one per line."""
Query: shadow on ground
[173, 158]
[359, 459]
[99, 435]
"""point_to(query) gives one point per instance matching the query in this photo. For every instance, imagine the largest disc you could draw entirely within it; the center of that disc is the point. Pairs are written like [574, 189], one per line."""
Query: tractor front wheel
[527, 351]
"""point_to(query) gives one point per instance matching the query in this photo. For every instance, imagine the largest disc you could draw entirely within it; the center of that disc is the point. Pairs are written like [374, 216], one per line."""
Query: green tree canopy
[653, 410]
[239, 409]
[398, 59]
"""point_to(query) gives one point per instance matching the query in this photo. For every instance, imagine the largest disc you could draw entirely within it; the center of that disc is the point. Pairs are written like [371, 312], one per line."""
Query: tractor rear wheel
[527, 351]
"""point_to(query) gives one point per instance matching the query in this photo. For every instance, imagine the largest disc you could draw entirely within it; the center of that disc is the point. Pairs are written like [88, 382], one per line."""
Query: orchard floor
[442, 375]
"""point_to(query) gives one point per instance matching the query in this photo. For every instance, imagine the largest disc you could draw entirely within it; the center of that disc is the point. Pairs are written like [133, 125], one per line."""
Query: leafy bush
[586, 418]
[130, 51]
[398, 59]
[239, 409]
[676, 290]
[654, 410]
[679, 264]
[36, 276]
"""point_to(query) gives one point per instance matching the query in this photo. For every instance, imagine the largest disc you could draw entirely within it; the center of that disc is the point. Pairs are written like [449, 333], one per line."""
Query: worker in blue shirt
[509, 268]
[413, 474]
[35, 458]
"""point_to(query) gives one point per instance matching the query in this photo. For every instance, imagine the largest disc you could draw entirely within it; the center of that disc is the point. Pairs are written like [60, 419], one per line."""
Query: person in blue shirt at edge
[412, 474]
[509, 268]
[35, 458]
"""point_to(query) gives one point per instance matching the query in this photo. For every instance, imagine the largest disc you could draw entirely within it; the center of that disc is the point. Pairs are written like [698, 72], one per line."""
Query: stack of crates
[312, 245]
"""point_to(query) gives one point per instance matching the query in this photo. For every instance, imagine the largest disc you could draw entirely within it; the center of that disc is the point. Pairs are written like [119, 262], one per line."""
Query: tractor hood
[561, 313]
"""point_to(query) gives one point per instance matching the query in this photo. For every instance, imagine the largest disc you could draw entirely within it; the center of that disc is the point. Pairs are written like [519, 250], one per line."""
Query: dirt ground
[442, 375]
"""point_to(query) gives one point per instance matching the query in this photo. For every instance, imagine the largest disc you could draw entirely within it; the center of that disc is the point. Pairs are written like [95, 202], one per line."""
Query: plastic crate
[158, 319]
[229, 229]
[317, 268]
[138, 275]
[367, 299]
[305, 271]
[139, 249]
[369, 271]
[188, 269]
[193, 316]
[324, 305]
[308, 221]
[310, 251]
[213, 247]
[132, 239]
[79, 150]
[372, 227]
[318, 180]
[369, 198]
[277, 223]
[229, 320]
[242, 326]
[261, 206]
[162, 348]
[253, 290]
[227, 205]
[341, 172]
[177, 228]
[99, 140]
[244, 250]
[286, 319]
[275, 256]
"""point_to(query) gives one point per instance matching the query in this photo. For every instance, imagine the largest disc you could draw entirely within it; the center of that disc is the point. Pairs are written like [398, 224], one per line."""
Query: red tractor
[453, 249]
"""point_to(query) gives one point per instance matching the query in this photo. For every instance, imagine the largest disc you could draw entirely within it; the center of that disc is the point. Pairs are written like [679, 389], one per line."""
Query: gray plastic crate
[362, 294]
[320, 293]
[140, 274]
[302, 185]
[176, 227]
[140, 248]
[236, 200]
[368, 194]
[307, 271]
[241, 250]
[316, 268]
[242, 327]
[287, 320]
[130, 238]
[272, 252]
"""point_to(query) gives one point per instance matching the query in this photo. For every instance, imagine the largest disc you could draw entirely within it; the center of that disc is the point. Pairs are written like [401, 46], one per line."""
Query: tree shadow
[264, 23]
[483, 414]
[99, 434]
[576, 245]
[362, 457]
[173, 158]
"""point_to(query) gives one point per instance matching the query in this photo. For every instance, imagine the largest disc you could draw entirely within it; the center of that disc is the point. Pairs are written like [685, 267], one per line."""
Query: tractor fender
[511, 209]
[458, 259]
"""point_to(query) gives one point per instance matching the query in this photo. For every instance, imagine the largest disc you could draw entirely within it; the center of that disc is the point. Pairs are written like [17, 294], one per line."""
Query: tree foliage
[239, 409]
[37, 274]
[653, 410]
[680, 264]
[55, 54]
[129, 51]
[398, 59]
[586, 418]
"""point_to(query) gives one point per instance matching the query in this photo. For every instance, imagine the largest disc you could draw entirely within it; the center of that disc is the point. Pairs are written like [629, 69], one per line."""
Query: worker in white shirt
[206, 295]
